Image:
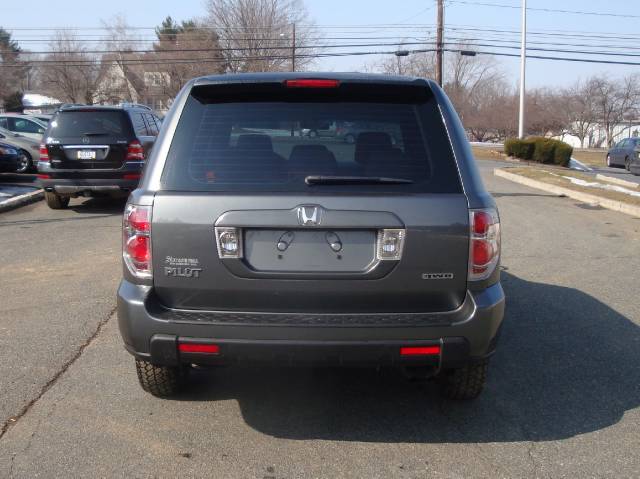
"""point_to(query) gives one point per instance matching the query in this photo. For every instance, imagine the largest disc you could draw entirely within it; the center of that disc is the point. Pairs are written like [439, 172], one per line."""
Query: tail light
[44, 153]
[420, 350]
[136, 240]
[484, 244]
[312, 83]
[135, 152]
[203, 348]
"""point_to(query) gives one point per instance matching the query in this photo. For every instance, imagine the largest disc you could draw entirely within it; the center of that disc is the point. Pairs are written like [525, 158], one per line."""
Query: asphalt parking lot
[562, 398]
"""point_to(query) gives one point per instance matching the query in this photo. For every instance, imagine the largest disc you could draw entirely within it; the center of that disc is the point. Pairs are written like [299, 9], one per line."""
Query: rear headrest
[393, 163]
[369, 141]
[312, 160]
[255, 142]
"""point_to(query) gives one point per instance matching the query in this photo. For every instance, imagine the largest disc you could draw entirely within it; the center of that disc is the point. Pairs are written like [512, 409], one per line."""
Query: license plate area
[86, 155]
[308, 251]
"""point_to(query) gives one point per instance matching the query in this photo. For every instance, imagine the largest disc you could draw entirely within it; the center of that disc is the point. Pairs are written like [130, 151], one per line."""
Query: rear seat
[312, 160]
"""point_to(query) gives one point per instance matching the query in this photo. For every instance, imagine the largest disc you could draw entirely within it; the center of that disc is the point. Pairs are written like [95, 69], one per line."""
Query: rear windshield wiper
[97, 133]
[354, 180]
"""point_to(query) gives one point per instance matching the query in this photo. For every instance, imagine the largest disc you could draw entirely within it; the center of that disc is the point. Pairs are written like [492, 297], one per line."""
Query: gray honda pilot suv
[247, 241]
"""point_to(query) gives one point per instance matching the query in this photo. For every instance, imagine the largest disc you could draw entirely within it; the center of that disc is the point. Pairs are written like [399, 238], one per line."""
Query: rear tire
[609, 161]
[350, 139]
[466, 382]
[24, 162]
[160, 381]
[55, 201]
[627, 164]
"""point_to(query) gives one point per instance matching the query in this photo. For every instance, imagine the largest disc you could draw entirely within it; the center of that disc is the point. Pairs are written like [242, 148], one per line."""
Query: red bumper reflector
[420, 350]
[198, 348]
[44, 177]
[312, 83]
[132, 176]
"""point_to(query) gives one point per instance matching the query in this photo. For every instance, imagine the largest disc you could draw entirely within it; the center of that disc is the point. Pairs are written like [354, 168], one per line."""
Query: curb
[614, 205]
[21, 200]
[617, 181]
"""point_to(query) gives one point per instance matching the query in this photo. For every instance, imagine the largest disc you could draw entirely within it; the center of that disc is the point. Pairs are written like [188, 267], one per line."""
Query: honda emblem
[309, 215]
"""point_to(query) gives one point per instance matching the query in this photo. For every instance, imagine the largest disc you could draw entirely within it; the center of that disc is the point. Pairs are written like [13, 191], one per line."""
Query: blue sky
[413, 19]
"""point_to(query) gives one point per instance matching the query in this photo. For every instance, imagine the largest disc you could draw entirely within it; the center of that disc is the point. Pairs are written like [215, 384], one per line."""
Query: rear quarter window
[272, 141]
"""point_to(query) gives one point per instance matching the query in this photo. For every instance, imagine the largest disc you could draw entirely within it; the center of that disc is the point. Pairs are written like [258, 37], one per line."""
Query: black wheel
[464, 383]
[24, 162]
[161, 381]
[312, 133]
[349, 138]
[55, 201]
[627, 164]
[609, 161]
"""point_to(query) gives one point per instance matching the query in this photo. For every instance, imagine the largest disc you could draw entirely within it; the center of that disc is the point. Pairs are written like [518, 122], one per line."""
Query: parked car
[267, 247]
[622, 153]
[23, 125]
[9, 158]
[28, 149]
[43, 117]
[634, 164]
[95, 150]
[345, 131]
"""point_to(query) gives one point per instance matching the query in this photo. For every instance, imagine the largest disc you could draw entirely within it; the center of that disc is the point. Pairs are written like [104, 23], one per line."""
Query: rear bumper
[73, 182]
[470, 335]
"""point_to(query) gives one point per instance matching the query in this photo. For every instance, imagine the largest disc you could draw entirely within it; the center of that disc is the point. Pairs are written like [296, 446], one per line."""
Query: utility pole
[439, 32]
[523, 61]
[293, 50]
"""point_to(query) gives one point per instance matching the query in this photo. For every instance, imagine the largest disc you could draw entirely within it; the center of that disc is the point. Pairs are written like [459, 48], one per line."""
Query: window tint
[139, 125]
[151, 124]
[274, 146]
[22, 125]
[79, 123]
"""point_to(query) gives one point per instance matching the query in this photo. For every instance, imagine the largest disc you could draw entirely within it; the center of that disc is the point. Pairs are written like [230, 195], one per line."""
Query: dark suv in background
[95, 150]
[246, 243]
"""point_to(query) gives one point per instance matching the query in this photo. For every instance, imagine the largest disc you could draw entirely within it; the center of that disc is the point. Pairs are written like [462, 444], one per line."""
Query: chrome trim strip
[83, 147]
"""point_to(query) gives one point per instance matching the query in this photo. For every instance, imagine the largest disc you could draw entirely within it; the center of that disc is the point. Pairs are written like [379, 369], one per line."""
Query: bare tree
[258, 35]
[579, 107]
[70, 73]
[615, 101]
[492, 113]
[184, 51]
[417, 64]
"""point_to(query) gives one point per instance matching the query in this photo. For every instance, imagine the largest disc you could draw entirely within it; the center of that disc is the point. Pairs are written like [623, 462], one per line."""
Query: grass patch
[548, 175]
[487, 153]
[597, 158]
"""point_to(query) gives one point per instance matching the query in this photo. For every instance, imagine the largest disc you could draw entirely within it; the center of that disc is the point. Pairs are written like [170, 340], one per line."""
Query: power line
[230, 49]
[546, 10]
[542, 57]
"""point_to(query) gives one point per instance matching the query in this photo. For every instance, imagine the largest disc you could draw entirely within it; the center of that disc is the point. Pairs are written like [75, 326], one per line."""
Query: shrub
[544, 150]
[522, 149]
[540, 150]
[562, 154]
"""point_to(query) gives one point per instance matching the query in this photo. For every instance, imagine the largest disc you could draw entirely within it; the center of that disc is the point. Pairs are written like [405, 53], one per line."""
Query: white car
[23, 125]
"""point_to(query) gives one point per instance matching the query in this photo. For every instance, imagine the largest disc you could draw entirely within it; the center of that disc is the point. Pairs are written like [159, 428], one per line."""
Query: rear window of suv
[91, 123]
[272, 139]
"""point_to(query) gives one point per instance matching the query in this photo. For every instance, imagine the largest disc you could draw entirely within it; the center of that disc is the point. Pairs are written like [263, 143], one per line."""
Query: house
[597, 138]
[131, 78]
